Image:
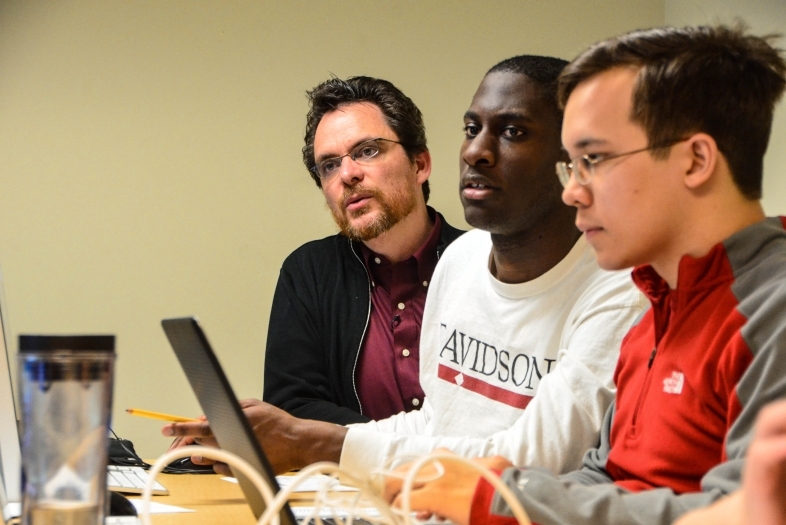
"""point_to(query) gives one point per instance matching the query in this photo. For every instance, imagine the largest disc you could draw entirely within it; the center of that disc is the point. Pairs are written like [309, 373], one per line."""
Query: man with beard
[521, 327]
[344, 333]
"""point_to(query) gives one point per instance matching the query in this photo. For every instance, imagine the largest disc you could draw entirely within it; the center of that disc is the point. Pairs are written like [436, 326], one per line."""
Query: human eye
[512, 132]
[586, 163]
[590, 159]
[329, 166]
[471, 130]
[365, 151]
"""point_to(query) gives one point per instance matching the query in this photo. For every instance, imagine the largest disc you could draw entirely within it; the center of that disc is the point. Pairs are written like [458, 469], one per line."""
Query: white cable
[367, 495]
[406, 490]
[351, 507]
[211, 453]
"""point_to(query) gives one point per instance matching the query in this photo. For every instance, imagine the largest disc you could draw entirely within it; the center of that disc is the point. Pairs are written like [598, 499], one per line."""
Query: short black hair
[401, 114]
[545, 71]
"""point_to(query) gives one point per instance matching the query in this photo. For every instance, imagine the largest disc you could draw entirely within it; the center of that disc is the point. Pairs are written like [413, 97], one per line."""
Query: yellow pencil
[159, 415]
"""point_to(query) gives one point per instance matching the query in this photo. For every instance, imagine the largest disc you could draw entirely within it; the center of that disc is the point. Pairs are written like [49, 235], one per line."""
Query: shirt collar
[425, 257]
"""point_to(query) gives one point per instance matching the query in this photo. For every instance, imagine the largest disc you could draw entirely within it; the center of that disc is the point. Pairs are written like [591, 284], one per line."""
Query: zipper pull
[652, 358]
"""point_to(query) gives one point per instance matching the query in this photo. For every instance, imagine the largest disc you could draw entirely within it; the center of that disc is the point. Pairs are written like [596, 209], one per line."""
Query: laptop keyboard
[131, 480]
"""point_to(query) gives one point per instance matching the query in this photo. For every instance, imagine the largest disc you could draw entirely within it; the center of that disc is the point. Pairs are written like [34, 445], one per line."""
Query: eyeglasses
[366, 152]
[583, 168]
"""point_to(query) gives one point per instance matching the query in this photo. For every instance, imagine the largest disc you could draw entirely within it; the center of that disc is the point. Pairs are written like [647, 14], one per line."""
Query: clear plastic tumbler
[66, 399]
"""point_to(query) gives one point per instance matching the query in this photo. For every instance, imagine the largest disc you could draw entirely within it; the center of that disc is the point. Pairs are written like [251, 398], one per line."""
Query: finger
[392, 488]
[772, 420]
[245, 403]
[223, 469]
[432, 501]
[181, 441]
[196, 429]
[420, 500]
[765, 461]
[201, 460]
[207, 442]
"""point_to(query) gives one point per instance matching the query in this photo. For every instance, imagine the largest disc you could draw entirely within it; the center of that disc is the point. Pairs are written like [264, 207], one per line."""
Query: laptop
[219, 403]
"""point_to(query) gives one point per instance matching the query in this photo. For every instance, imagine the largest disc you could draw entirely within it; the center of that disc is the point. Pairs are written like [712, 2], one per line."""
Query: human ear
[701, 155]
[422, 164]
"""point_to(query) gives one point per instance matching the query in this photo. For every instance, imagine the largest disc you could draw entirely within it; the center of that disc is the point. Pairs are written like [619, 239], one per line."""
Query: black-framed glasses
[367, 152]
[583, 167]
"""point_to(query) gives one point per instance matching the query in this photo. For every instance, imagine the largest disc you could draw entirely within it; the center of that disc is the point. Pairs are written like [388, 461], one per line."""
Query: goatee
[393, 209]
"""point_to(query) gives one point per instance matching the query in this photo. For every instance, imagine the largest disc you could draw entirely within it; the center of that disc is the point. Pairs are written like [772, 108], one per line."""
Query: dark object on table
[119, 505]
[186, 466]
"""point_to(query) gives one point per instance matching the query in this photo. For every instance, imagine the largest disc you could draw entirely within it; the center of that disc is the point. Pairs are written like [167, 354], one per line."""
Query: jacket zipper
[368, 318]
[645, 387]
[365, 328]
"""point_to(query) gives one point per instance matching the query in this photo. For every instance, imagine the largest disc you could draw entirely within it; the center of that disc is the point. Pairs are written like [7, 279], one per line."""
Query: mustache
[352, 191]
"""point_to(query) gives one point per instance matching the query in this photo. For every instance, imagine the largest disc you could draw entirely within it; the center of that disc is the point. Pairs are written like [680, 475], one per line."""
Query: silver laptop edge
[219, 403]
[10, 453]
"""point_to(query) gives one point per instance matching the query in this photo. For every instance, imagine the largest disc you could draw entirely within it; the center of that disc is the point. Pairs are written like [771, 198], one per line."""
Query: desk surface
[214, 500]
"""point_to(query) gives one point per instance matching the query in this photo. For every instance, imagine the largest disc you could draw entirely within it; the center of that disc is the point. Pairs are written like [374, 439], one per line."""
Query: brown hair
[401, 114]
[716, 80]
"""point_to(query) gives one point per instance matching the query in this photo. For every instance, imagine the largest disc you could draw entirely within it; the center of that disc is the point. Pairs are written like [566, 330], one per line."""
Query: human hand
[289, 442]
[762, 498]
[449, 495]
[196, 433]
[725, 511]
[764, 474]
[183, 441]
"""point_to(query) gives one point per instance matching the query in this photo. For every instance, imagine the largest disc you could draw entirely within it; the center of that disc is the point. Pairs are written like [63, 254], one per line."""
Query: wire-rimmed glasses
[583, 167]
[364, 153]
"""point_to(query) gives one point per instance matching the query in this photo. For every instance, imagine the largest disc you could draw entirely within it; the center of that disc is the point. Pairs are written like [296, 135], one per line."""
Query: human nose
[575, 194]
[478, 150]
[350, 171]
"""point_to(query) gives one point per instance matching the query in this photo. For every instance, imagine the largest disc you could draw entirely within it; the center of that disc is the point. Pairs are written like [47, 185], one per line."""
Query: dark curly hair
[401, 114]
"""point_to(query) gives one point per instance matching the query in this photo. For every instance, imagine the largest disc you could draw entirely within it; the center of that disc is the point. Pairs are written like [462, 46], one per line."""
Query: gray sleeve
[593, 468]
[589, 497]
[551, 500]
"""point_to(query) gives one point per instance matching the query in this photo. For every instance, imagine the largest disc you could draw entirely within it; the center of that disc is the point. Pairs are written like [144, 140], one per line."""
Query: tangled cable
[365, 504]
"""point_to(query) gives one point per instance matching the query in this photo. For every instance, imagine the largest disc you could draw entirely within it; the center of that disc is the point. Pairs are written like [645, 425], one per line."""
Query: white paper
[304, 512]
[310, 484]
[314, 483]
[158, 508]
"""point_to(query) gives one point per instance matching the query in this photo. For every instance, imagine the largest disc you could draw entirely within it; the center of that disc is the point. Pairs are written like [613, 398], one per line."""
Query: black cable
[133, 459]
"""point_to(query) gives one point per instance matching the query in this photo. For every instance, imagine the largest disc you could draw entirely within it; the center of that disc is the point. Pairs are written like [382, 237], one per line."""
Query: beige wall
[150, 154]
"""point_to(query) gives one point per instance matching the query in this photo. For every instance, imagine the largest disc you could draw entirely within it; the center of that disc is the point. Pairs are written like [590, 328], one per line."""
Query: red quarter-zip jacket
[691, 378]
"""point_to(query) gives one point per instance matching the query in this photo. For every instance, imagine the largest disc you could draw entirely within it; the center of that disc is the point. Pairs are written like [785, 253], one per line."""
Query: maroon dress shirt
[387, 375]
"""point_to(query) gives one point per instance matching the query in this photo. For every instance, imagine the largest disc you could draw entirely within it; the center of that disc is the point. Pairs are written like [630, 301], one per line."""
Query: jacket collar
[718, 266]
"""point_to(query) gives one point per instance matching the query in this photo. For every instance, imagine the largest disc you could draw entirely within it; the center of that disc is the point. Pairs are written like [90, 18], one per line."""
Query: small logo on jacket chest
[673, 384]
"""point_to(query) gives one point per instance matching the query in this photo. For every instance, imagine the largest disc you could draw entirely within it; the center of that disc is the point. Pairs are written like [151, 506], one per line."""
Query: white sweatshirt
[518, 370]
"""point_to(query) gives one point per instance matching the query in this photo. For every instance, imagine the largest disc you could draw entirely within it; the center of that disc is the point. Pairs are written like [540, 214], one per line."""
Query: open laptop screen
[219, 403]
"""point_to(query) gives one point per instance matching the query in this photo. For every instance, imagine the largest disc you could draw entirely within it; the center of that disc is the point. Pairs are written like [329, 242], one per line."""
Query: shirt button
[405, 353]
[400, 306]
[425, 283]
[376, 260]
[416, 402]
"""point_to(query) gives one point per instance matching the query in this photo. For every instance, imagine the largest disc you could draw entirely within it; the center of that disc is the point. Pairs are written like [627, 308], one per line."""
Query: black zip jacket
[318, 320]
